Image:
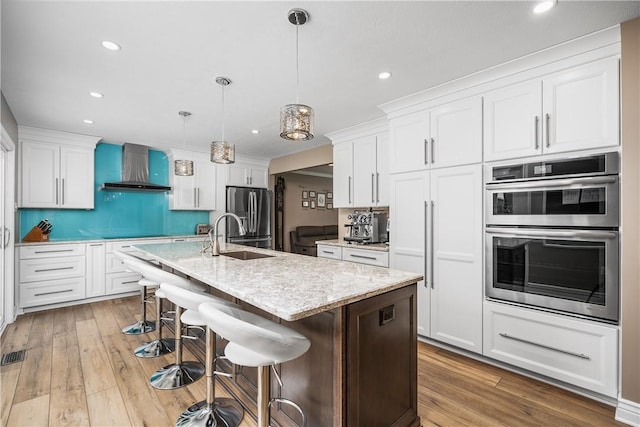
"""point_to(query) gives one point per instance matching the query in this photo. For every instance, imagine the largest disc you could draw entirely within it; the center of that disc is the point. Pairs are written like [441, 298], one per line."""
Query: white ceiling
[172, 51]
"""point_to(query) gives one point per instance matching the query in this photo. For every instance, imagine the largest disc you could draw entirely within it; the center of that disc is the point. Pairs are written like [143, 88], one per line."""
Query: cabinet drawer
[363, 256]
[327, 251]
[118, 283]
[51, 291]
[32, 270]
[50, 251]
[572, 350]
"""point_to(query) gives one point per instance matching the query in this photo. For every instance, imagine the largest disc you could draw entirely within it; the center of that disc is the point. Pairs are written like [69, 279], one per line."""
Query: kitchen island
[361, 369]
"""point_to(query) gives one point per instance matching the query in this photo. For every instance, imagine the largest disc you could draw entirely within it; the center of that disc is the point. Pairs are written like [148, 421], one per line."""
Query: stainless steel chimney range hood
[135, 171]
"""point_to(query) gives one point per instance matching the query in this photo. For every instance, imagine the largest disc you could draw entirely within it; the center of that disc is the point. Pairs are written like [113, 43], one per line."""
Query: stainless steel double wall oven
[552, 235]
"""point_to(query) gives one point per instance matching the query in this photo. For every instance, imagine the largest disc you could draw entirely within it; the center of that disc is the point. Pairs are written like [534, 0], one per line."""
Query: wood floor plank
[35, 373]
[106, 409]
[8, 382]
[105, 319]
[16, 335]
[32, 412]
[82, 312]
[478, 372]
[64, 321]
[68, 404]
[96, 369]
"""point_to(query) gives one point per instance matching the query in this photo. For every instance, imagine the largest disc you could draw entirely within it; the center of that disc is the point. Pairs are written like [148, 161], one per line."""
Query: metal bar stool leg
[159, 346]
[180, 373]
[212, 412]
[143, 326]
[263, 396]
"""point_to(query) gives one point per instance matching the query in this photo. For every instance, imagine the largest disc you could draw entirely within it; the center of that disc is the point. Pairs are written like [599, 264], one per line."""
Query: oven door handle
[544, 184]
[591, 234]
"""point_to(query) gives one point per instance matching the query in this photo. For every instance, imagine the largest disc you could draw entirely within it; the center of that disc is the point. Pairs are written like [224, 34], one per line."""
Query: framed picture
[329, 195]
[321, 200]
[313, 204]
[312, 194]
[305, 194]
[329, 205]
[305, 203]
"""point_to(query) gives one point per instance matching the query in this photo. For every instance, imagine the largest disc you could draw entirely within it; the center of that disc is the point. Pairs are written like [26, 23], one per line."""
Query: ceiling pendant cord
[297, 62]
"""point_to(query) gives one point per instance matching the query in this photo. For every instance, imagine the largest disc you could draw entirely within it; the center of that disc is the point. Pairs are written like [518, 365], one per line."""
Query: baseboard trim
[628, 412]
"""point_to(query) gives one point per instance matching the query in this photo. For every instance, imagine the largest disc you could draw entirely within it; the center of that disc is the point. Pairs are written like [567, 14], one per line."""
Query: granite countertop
[106, 239]
[382, 247]
[289, 286]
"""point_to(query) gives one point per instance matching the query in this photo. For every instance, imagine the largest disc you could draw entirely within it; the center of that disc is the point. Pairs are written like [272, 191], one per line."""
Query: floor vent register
[13, 357]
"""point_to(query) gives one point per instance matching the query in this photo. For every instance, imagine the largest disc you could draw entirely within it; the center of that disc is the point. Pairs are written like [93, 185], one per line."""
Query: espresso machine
[367, 227]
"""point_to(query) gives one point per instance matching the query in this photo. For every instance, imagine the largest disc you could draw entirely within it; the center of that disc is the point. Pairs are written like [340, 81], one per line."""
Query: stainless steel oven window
[573, 271]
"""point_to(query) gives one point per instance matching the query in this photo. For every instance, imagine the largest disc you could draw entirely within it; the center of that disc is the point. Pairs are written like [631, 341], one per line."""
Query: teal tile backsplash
[118, 214]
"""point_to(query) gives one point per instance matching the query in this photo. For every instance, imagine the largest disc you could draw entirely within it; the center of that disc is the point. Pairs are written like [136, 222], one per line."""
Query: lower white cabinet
[95, 270]
[51, 274]
[358, 255]
[572, 350]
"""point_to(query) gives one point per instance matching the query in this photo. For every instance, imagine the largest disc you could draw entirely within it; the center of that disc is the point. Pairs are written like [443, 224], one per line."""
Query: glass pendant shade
[296, 122]
[183, 167]
[223, 152]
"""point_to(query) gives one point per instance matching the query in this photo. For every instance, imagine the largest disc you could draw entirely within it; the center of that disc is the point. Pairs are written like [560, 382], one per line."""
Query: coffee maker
[367, 227]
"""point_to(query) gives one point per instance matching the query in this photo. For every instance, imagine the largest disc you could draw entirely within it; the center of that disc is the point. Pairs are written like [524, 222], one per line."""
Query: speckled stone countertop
[381, 247]
[286, 285]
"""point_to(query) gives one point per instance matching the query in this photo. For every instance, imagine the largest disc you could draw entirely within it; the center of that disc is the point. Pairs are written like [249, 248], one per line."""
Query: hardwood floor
[79, 370]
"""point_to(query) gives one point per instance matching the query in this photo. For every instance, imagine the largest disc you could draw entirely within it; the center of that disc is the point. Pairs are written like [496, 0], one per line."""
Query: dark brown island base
[361, 369]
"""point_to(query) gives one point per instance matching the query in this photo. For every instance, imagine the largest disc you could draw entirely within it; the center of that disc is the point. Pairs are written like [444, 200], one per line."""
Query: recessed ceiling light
[384, 75]
[544, 6]
[255, 131]
[96, 94]
[110, 45]
[87, 121]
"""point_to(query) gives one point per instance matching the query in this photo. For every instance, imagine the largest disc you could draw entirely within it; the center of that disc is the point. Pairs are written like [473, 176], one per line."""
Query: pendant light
[183, 167]
[296, 120]
[222, 151]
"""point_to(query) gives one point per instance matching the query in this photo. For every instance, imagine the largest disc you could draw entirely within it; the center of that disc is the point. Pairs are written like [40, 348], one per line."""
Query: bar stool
[258, 342]
[183, 373]
[142, 326]
[159, 346]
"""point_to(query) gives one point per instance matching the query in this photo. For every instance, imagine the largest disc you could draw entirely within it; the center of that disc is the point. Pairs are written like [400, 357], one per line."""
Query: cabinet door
[456, 133]
[95, 271]
[76, 178]
[205, 186]
[343, 175]
[407, 212]
[581, 108]
[40, 165]
[513, 121]
[408, 136]
[258, 177]
[382, 173]
[364, 171]
[183, 192]
[237, 175]
[456, 256]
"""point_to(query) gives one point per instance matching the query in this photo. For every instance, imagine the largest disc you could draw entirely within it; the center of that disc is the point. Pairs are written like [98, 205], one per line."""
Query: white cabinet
[118, 279]
[573, 350]
[51, 274]
[95, 270]
[360, 176]
[448, 135]
[436, 231]
[360, 255]
[248, 175]
[56, 169]
[196, 192]
[574, 109]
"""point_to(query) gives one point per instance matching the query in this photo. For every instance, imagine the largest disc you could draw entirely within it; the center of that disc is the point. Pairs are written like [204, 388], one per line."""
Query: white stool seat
[146, 282]
[160, 293]
[152, 272]
[191, 299]
[276, 343]
[192, 317]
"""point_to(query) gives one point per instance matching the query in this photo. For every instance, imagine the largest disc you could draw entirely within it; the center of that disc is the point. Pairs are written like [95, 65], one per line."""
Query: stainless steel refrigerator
[253, 206]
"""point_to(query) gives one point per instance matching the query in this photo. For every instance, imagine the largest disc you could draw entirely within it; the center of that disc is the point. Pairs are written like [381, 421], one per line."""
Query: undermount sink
[245, 255]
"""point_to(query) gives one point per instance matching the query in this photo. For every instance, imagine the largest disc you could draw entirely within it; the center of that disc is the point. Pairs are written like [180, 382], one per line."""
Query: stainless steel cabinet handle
[96, 244]
[377, 187]
[349, 188]
[52, 293]
[433, 157]
[328, 252]
[373, 184]
[536, 121]
[559, 350]
[363, 257]
[551, 234]
[547, 184]
[56, 191]
[63, 191]
[195, 204]
[53, 251]
[426, 150]
[53, 269]
[426, 243]
[548, 121]
[198, 196]
[129, 282]
[433, 266]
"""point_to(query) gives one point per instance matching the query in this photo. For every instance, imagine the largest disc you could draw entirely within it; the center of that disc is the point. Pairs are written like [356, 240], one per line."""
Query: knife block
[36, 235]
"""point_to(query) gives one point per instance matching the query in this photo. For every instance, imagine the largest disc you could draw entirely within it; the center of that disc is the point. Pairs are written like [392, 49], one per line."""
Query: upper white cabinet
[248, 175]
[196, 192]
[56, 169]
[360, 173]
[574, 109]
[447, 135]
